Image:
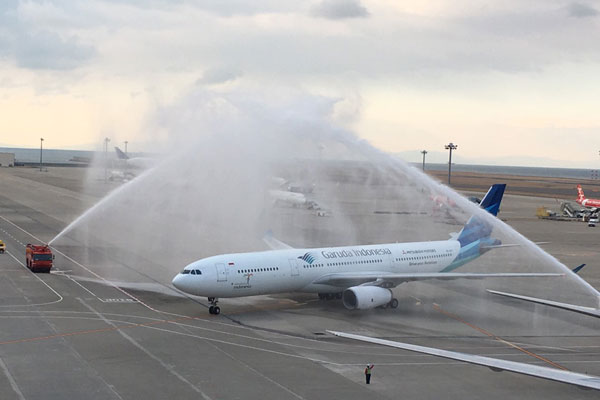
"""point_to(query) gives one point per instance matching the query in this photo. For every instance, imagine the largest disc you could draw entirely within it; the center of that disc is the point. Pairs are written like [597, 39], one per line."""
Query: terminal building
[7, 159]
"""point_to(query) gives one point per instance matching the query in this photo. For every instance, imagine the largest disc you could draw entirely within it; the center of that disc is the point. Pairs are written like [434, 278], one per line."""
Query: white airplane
[495, 364]
[135, 162]
[127, 168]
[360, 275]
[294, 199]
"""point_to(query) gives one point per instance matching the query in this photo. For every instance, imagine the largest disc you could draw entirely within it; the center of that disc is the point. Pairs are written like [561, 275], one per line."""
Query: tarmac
[65, 337]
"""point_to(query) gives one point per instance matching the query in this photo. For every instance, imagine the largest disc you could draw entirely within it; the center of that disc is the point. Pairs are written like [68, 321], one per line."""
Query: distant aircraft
[495, 364]
[292, 194]
[360, 275]
[294, 199]
[128, 168]
[581, 199]
[135, 162]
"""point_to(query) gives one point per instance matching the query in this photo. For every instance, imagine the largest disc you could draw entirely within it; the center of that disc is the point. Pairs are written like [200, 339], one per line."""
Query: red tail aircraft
[586, 202]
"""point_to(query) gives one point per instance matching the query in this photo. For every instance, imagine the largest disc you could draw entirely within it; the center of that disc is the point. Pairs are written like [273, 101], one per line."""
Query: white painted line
[13, 383]
[131, 340]
[60, 298]
[83, 287]
[21, 229]
[82, 266]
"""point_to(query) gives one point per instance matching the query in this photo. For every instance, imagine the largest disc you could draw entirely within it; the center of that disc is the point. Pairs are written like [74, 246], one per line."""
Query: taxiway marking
[501, 340]
[60, 298]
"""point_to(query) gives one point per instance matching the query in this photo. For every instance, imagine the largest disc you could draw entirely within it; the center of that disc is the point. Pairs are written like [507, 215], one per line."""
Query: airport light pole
[106, 140]
[424, 152]
[41, 149]
[450, 146]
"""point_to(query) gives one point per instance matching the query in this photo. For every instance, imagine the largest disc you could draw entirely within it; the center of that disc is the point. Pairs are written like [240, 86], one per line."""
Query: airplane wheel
[394, 303]
[211, 309]
[217, 310]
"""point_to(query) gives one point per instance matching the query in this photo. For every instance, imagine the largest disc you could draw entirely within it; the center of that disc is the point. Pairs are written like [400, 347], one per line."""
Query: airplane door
[221, 272]
[295, 269]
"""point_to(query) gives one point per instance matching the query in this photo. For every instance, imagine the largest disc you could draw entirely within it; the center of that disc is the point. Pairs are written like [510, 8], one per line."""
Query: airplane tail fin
[492, 199]
[120, 154]
[580, 195]
[476, 228]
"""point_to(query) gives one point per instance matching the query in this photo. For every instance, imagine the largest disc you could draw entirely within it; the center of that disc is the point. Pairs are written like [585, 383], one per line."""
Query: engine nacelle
[365, 297]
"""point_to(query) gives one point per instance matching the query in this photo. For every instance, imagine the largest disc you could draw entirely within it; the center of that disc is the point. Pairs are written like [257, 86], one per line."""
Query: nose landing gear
[214, 309]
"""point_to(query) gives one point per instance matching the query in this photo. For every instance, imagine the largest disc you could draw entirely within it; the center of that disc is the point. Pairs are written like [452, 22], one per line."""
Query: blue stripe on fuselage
[470, 252]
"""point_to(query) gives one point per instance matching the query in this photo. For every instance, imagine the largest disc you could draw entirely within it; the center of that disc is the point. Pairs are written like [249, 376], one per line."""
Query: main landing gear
[214, 309]
[392, 304]
[330, 296]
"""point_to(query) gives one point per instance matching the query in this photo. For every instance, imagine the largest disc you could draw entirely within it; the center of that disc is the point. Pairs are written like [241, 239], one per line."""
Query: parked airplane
[581, 199]
[360, 275]
[128, 168]
[135, 162]
[293, 199]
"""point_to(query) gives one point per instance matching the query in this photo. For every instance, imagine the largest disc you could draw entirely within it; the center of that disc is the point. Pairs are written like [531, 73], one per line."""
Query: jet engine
[365, 297]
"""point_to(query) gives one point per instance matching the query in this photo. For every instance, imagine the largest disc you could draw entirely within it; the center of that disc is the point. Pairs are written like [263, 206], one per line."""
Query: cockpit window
[185, 271]
[198, 272]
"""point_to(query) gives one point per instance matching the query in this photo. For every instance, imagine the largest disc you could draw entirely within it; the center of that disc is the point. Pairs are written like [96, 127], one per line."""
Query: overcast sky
[512, 82]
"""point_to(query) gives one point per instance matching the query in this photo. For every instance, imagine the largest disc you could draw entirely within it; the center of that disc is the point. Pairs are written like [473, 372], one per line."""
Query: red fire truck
[38, 258]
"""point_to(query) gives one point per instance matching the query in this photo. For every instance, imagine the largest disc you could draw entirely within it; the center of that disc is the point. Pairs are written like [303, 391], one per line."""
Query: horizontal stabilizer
[499, 246]
[594, 312]
[347, 279]
[573, 378]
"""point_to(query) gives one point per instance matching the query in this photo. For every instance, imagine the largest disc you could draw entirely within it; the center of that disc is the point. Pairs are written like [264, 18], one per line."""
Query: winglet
[579, 268]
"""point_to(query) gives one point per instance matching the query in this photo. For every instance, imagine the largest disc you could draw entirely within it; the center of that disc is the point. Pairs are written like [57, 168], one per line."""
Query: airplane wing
[386, 279]
[594, 312]
[495, 364]
[273, 243]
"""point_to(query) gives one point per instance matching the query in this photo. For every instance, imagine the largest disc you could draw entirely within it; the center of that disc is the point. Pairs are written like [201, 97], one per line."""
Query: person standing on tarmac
[368, 373]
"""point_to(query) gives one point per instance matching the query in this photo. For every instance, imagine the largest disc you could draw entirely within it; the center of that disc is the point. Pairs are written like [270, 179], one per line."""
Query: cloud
[214, 76]
[339, 9]
[47, 50]
[579, 10]
[31, 45]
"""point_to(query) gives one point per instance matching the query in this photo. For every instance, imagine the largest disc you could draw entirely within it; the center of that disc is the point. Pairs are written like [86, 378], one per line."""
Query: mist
[209, 193]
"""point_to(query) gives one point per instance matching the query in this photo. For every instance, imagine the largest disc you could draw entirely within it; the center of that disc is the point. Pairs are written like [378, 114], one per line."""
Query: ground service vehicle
[2, 247]
[38, 258]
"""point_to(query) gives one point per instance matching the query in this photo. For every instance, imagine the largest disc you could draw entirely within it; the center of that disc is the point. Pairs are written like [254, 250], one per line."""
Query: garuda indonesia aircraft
[361, 276]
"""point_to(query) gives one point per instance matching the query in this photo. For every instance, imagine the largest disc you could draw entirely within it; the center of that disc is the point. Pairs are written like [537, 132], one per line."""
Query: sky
[512, 82]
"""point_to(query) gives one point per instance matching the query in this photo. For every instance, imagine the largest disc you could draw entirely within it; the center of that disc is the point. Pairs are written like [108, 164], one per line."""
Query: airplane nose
[181, 283]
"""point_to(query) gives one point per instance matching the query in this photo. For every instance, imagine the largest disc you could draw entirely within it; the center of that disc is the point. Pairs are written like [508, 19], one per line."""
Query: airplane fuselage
[590, 202]
[296, 270]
